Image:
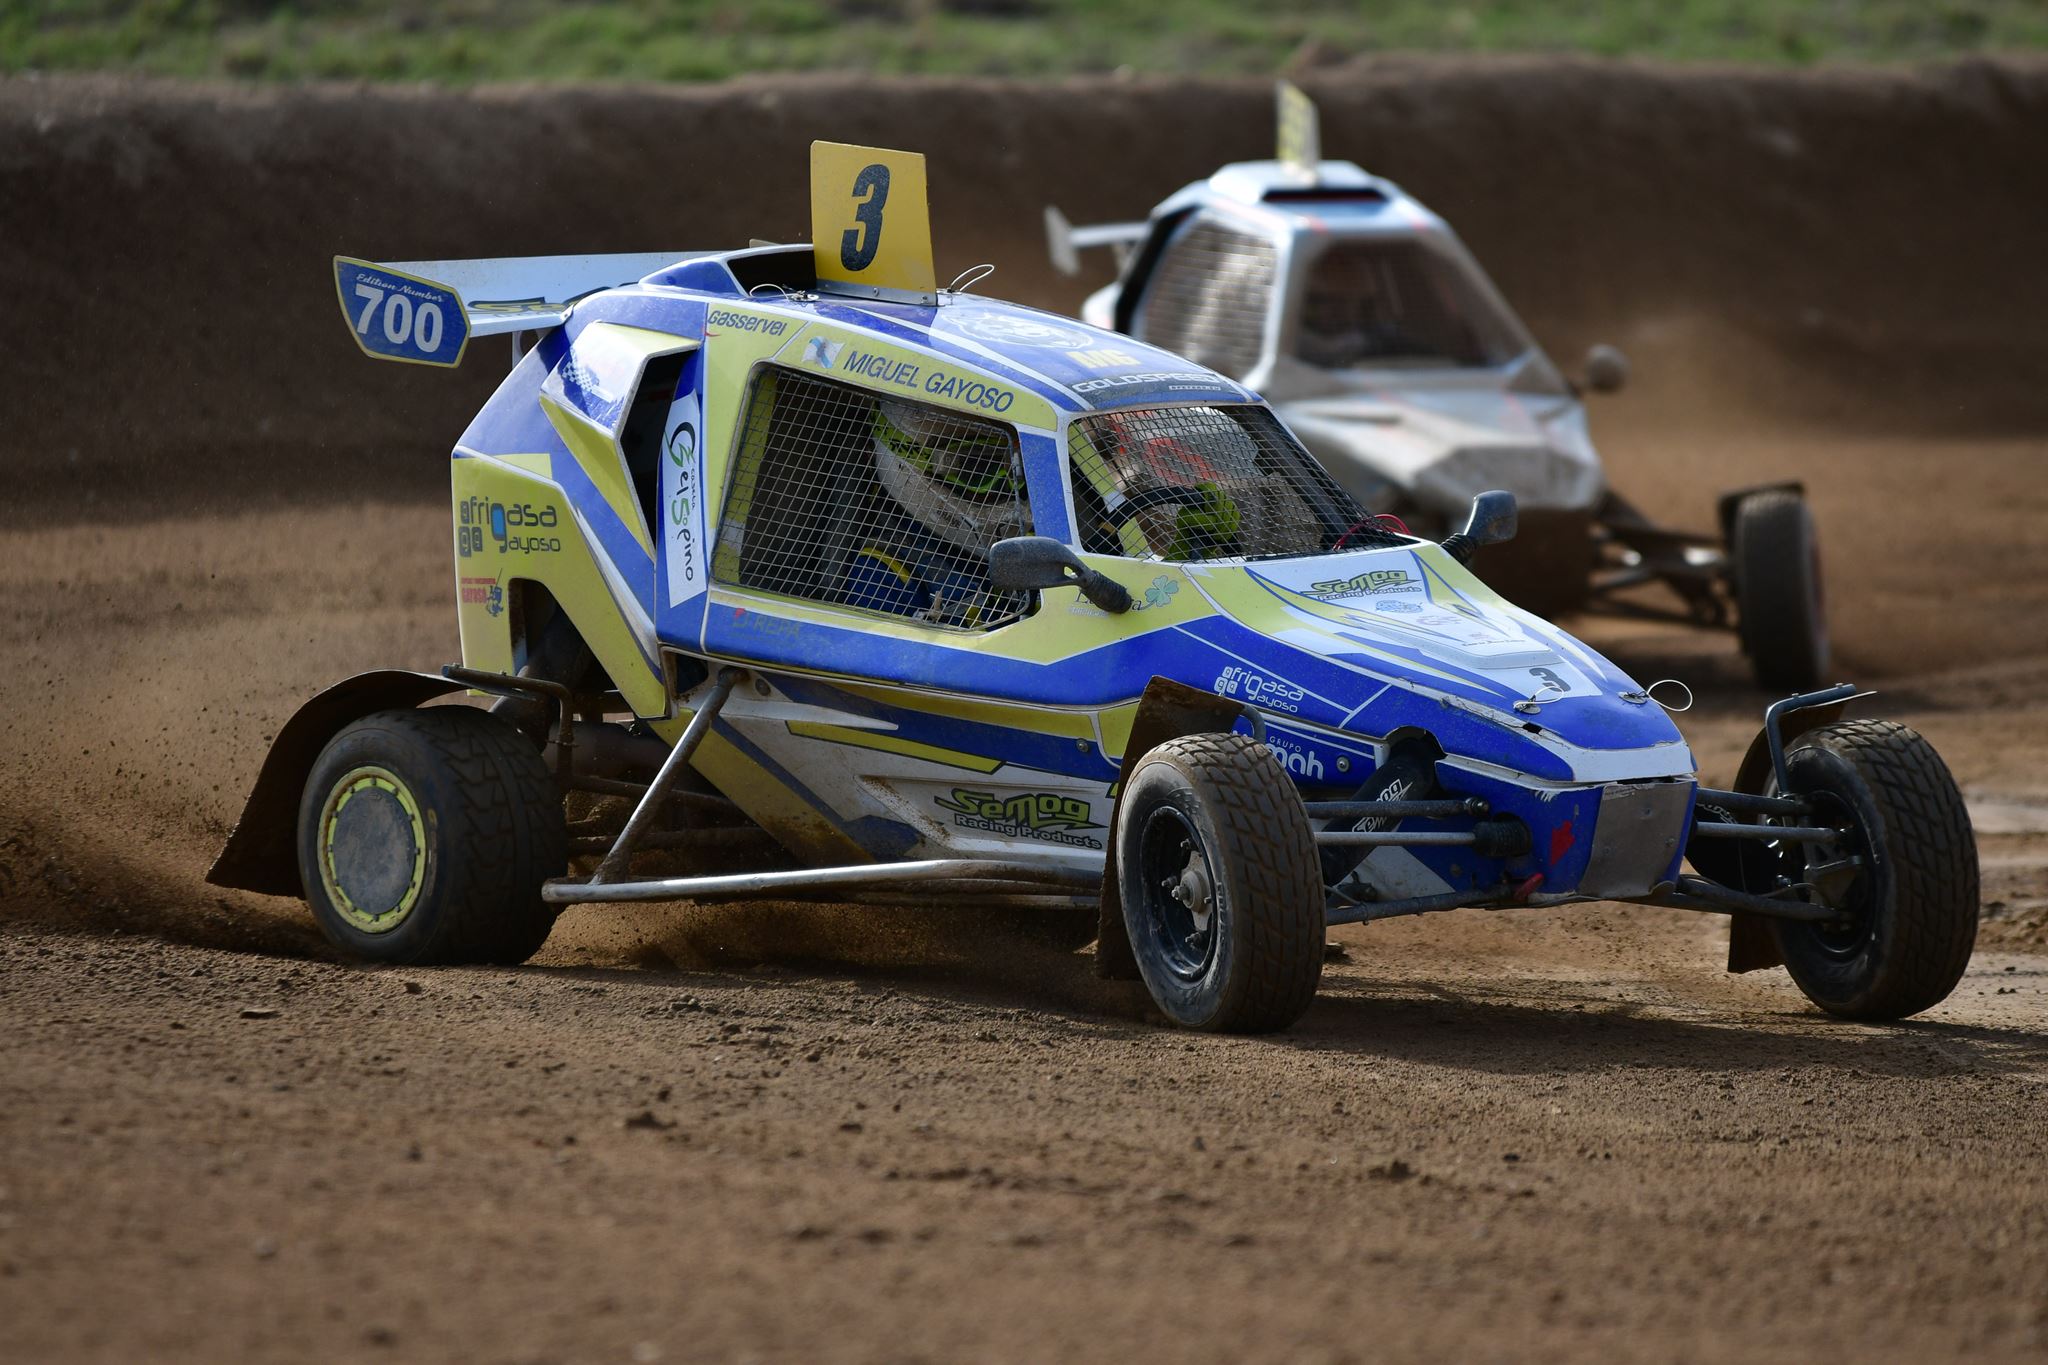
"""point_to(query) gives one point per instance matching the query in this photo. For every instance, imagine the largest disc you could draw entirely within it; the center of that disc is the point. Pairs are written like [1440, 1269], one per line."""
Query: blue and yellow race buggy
[790, 574]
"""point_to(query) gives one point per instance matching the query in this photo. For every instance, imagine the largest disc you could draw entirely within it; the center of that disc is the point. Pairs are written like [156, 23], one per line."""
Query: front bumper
[1607, 841]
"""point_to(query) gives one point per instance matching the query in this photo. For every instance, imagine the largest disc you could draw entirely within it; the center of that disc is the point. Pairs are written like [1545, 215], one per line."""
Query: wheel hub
[1180, 892]
[372, 849]
[1191, 887]
[1831, 871]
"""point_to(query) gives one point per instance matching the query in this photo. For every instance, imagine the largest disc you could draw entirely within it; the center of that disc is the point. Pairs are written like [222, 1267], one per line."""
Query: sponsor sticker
[1172, 379]
[1367, 584]
[682, 497]
[1103, 358]
[1158, 594]
[1297, 758]
[1014, 329]
[1274, 694]
[746, 322]
[513, 527]
[598, 375]
[487, 593]
[1054, 817]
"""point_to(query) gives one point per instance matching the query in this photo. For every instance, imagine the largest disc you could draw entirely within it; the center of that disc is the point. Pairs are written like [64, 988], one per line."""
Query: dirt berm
[1850, 247]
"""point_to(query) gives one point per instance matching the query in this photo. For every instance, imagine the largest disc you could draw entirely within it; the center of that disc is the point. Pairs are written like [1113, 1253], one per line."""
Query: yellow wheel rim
[372, 849]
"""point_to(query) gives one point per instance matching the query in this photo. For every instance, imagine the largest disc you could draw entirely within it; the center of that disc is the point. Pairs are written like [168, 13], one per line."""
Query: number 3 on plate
[857, 245]
[871, 235]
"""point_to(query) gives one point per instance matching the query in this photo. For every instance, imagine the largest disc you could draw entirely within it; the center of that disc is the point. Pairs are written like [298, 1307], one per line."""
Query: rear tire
[1216, 819]
[1781, 613]
[424, 837]
[1913, 905]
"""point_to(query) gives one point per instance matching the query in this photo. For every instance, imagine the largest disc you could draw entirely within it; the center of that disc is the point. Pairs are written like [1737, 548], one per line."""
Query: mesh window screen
[1208, 298]
[841, 497]
[1397, 303]
[1194, 483]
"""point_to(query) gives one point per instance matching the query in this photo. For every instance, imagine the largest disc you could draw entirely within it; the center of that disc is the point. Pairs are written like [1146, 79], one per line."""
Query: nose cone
[1540, 476]
[1413, 638]
[1438, 448]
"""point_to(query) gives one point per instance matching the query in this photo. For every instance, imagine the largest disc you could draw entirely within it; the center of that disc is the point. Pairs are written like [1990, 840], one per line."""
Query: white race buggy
[1381, 342]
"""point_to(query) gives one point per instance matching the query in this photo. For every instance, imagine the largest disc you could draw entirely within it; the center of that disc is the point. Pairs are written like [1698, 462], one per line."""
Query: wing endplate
[424, 312]
[1065, 241]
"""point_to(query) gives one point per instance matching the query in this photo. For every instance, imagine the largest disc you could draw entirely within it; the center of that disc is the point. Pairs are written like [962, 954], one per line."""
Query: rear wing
[425, 312]
[1066, 242]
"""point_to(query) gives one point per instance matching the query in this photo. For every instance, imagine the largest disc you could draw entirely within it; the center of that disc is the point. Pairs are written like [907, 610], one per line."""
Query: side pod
[262, 852]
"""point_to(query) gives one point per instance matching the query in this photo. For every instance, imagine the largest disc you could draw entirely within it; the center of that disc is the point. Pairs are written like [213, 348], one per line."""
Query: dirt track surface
[784, 1133]
[1554, 1145]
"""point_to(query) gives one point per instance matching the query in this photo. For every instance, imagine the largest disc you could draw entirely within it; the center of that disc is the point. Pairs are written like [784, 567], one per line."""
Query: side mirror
[1492, 521]
[1027, 563]
[1606, 369]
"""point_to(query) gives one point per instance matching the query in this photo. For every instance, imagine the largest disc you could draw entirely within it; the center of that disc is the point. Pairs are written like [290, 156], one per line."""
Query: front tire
[424, 837]
[1781, 614]
[1221, 888]
[1912, 907]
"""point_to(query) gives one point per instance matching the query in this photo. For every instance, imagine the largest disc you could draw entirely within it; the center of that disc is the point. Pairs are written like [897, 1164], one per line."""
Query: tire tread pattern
[1773, 545]
[1926, 840]
[1273, 875]
[501, 835]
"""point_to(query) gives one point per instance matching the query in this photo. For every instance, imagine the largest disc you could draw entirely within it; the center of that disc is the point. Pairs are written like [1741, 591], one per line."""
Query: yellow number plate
[871, 231]
[1300, 136]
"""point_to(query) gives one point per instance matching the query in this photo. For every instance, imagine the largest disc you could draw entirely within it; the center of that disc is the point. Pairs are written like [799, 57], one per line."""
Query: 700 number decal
[400, 317]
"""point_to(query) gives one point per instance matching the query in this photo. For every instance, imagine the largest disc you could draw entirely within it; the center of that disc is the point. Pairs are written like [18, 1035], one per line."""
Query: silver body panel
[1419, 437]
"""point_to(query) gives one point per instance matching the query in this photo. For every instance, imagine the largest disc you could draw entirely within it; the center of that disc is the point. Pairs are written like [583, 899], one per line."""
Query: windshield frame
[1347, 526]
[1311, 247]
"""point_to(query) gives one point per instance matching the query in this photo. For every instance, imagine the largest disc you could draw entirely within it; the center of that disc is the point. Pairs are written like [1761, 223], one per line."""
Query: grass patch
[684, 40]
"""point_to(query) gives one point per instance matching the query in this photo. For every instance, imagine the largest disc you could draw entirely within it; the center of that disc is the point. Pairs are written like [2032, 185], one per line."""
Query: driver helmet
[953, 476]
[1168, 482]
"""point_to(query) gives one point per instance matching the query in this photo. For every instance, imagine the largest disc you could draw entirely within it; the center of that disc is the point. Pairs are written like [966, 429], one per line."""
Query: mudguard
[1751, 944]
[1168, 710]
[262, 852]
